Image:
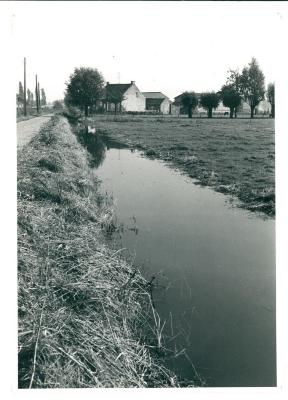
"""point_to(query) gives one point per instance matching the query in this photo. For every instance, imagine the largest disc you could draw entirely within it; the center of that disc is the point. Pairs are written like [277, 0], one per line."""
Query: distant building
[123, 96]
[221, 109]
[177, 107]
[158, 102]
[264, 107]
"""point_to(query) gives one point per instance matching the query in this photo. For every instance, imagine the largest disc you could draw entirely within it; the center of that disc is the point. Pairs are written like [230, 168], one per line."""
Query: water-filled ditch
[214, 266]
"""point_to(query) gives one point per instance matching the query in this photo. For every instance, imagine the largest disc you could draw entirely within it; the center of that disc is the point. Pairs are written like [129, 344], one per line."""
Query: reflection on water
[215, 269]
[94, 144]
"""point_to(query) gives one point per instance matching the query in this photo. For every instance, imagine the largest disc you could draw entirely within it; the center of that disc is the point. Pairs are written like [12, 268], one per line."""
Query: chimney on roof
[132, 82]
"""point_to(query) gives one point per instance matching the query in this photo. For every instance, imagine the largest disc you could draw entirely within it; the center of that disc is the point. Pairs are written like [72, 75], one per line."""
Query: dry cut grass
[85, 316]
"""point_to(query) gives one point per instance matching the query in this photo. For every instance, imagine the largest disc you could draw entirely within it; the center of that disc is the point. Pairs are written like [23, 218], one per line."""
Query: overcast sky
[163, 46]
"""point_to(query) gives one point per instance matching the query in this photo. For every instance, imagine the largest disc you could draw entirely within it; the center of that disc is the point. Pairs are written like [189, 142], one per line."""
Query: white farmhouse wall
[264, 106]
[221, 108]
[165, 106]
[133, 99]
[245, 107]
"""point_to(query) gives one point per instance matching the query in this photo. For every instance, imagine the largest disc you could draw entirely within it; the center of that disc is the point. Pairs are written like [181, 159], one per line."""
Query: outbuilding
[157, 101]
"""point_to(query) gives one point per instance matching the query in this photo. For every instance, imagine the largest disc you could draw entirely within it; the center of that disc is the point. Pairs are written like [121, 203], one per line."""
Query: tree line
[25, 97]
[248, 86]
[40, 96]
[85, 88]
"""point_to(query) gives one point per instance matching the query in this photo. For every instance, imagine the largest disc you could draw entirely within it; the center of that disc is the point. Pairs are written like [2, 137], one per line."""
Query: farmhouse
[123, 97]
[157, 101]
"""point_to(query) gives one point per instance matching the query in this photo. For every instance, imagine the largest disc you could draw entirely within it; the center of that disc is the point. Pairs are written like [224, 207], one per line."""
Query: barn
[157, 101]
[123, 97]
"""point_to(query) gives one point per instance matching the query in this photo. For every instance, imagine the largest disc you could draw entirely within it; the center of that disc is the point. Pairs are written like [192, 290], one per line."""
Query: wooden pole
[25, 100]
[39, 97]
[36, 95]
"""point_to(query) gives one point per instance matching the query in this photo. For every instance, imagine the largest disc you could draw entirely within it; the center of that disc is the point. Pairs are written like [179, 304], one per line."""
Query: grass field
[234, 156]
[85, 317]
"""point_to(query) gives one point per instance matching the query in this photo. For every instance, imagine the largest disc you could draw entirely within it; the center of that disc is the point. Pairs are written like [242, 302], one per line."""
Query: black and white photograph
[146, 252]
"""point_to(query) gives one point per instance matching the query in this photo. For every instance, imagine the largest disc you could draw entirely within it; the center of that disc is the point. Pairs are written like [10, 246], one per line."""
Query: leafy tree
[189, 100]
[57, 105]
[29, 97]
[43, 98]
[209, 101]
[271, 98]
[20, 96]
[231, 98]
[84, 88]
[252, 85]
[234, 79]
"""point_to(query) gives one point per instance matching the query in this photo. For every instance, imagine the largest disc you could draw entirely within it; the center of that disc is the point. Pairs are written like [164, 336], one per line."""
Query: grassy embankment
[85, 316]
[27, 117]
[32, 113]
[232, 156]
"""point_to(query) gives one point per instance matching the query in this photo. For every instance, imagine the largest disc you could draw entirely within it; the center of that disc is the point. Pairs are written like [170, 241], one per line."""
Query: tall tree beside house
[209, 100]
[84, 88]
[43, 98]
[271, 98]
[252, 85]
[189, 101]
[231, 98]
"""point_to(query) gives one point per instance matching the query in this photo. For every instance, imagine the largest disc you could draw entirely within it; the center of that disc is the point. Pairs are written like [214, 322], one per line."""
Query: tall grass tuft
[84, 312]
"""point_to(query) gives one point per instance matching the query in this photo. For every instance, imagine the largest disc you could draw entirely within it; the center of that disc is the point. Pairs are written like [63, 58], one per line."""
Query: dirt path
[27, 129]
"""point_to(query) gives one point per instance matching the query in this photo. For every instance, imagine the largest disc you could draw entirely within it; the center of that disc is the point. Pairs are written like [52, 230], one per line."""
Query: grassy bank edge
[261, 201]
[84, 313]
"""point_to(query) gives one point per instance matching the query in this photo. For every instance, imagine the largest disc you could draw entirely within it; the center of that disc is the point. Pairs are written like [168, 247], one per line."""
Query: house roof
[178, 98]
[116, 89]
[154, 95]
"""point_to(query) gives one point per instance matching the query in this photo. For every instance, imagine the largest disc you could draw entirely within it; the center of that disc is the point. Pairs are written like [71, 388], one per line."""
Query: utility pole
[36, 95]
[25, 100]
[39, 98]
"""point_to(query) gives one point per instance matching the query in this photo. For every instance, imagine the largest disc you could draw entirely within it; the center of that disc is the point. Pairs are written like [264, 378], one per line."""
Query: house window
[136, 94]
